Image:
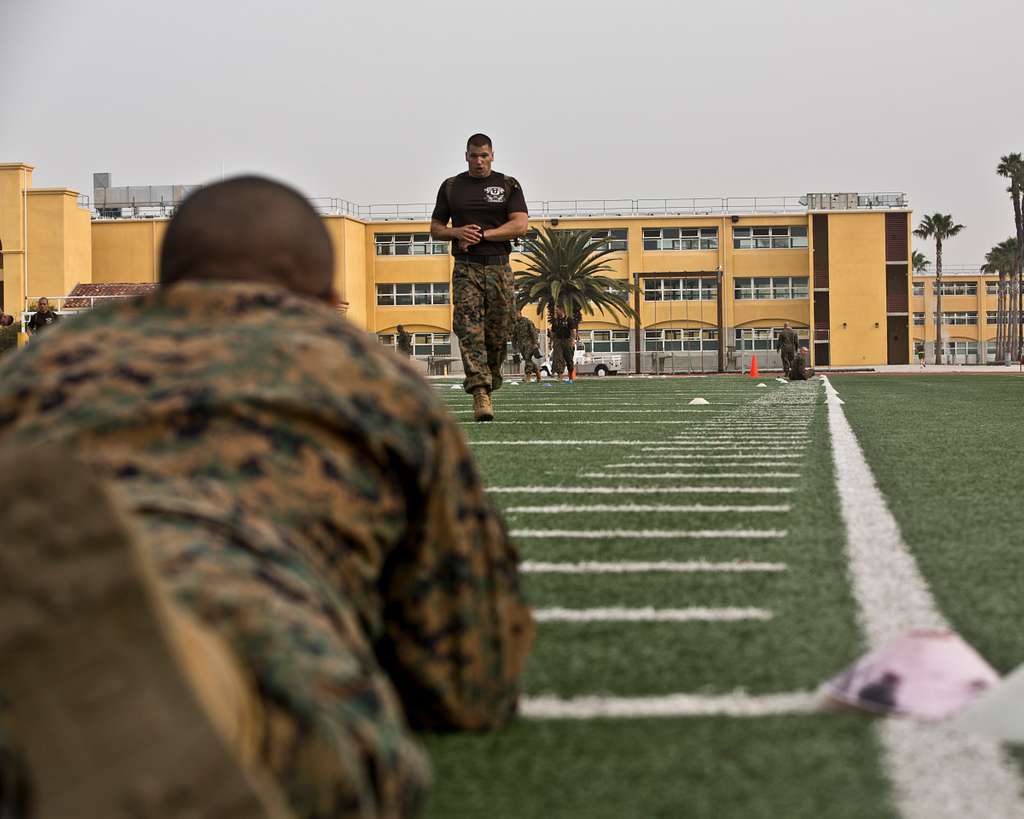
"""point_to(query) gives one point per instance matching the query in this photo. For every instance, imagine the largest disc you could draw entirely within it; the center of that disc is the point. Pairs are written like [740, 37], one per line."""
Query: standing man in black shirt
[43, 317]
[486, 209]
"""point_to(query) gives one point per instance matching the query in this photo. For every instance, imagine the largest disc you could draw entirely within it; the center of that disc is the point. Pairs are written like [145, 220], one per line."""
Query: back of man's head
[249, 228]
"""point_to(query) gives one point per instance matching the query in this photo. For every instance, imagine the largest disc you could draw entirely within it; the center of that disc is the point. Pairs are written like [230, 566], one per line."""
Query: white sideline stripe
[678, 449]
[629, 567]
[936, 772]
[649, 534]
[707, 457]
[677, 464]
[499, 420]
[641, 490]
[738, 704]
[503, 409]
[634, 476]
[615, 614]
[562, 442]
[644, 507]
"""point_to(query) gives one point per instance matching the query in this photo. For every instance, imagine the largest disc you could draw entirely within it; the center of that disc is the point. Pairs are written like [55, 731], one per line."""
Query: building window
[427, 344]
[959, 288]
[407, 295]
[918, 289]
[680, 340]
[918, 348]
[610, 238]
[681, 238]
[990, 351]
[774, 287]
[966, 317]
[962, 351]
[919, 319]
[765, 238]
[409, 244]
[605, 341]
[763, 338]
[387, 340]
[991, 288]
[992, 317]
[680, 289]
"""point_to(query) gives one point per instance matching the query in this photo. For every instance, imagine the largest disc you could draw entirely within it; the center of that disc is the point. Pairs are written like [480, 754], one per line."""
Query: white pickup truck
[599, 364]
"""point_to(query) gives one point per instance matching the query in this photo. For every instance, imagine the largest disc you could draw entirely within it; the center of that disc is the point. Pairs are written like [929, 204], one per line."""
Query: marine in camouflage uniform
[486, 209]
[308, 501]
[564, 330]
[524, 342]
[786, 345]
[404, 341]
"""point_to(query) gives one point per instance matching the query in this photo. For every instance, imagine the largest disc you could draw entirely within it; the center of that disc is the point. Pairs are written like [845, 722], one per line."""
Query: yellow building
[969, 317]
[715, 279]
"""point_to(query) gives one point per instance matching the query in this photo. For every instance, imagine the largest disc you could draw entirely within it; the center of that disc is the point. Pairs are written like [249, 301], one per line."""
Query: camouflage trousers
[484, 309]
[529, 362]
[788, 354]
[329, 726]
[562, 355]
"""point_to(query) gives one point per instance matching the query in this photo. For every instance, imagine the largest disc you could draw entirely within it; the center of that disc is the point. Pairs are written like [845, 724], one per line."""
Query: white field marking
[737, 704]
[649, 534]
[709, 457]
[633, 476]
[936, 772]
[515, 411]
[560, 442]
[634, 508]
[616, 614]
[676, 464]
[642, 490]
[629, 567]
[635, 422]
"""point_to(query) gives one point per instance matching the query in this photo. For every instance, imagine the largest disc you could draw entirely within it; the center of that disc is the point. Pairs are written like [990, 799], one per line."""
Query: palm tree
[1001, 259]
[919, 262]
[942, 227]
[565, 270]
[1012, 167]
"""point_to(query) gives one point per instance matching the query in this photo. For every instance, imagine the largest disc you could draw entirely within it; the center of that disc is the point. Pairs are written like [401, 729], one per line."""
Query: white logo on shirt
[495, 194]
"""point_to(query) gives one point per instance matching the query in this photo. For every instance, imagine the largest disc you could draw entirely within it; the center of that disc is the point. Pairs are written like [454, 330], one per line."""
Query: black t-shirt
[485, 201]
[564, 327]
[41, 320]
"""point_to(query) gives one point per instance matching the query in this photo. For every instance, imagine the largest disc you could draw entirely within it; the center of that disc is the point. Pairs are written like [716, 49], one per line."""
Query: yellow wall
[15, 178]
[856, 243]
[77, 244]
[127, 250]
[59, 242]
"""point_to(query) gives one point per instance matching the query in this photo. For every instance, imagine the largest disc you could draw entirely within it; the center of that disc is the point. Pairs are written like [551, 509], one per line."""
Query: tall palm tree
[940, 226]
[919, 262]
[1001, 260]
[565, 269]
[1012, 167]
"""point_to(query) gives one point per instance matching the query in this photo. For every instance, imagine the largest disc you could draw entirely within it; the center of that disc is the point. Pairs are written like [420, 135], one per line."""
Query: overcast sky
[647, 98]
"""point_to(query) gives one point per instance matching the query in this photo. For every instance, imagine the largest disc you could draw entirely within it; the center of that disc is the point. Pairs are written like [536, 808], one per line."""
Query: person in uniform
[486, 210]
[786, 345]
[43, 317]
[524, 342]
[242, 558]
[564, 334]
[798, 369]
[404, 341]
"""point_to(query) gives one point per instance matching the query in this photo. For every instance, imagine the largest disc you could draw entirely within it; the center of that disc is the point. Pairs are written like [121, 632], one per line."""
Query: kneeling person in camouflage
[486, 209]
[242, 556]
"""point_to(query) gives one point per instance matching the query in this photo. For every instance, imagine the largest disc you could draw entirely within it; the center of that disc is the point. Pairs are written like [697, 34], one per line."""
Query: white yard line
[703, 458]
[561, 442]
[688, 475]
[640, 490]
[738, 704]
[649, 534]
[630, 567]
[504, 410]
[635, 508]
[700, 463]
[936, 772]
[615, 614]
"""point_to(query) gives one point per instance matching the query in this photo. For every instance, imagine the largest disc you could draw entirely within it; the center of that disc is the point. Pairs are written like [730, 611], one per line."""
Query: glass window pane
[650, 244]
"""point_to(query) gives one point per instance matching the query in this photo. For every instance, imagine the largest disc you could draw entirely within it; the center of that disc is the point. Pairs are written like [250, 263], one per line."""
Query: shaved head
[249, 229]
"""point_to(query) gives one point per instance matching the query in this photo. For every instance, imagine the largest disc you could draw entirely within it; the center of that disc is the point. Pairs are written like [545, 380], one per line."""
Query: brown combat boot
[122, 703]
[482, 408]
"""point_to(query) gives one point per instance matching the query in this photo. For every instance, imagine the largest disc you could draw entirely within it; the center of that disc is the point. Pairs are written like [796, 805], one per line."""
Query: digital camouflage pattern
[309, 499]
[483, 313]
[563, 351]
[524, 342]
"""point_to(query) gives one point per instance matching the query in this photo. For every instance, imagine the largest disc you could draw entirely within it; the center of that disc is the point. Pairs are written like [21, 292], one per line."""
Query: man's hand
[467, 235]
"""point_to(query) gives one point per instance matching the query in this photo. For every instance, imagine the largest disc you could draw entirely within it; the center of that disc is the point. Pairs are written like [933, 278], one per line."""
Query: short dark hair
[478, 141]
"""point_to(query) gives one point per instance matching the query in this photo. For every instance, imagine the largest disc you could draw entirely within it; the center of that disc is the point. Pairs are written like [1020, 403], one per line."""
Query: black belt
[466, 257]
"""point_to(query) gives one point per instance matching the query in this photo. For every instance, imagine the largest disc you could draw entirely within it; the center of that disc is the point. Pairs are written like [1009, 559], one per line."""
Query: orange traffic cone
[753, 367]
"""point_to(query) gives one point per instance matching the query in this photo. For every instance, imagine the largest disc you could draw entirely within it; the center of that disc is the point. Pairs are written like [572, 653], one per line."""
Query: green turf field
[734, 503]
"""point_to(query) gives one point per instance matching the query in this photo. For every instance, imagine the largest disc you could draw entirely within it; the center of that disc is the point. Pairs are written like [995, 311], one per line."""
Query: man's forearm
[512, 229]
[440, 232]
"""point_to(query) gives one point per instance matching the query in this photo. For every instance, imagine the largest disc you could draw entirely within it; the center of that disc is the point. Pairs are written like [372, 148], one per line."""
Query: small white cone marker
[699, 401]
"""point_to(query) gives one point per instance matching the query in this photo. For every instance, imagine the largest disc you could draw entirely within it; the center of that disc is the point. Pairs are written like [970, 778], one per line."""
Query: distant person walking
[404, 341]
[524, 342]
[43, 317]
[486, 209]
[564, 333]
[786, 344]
